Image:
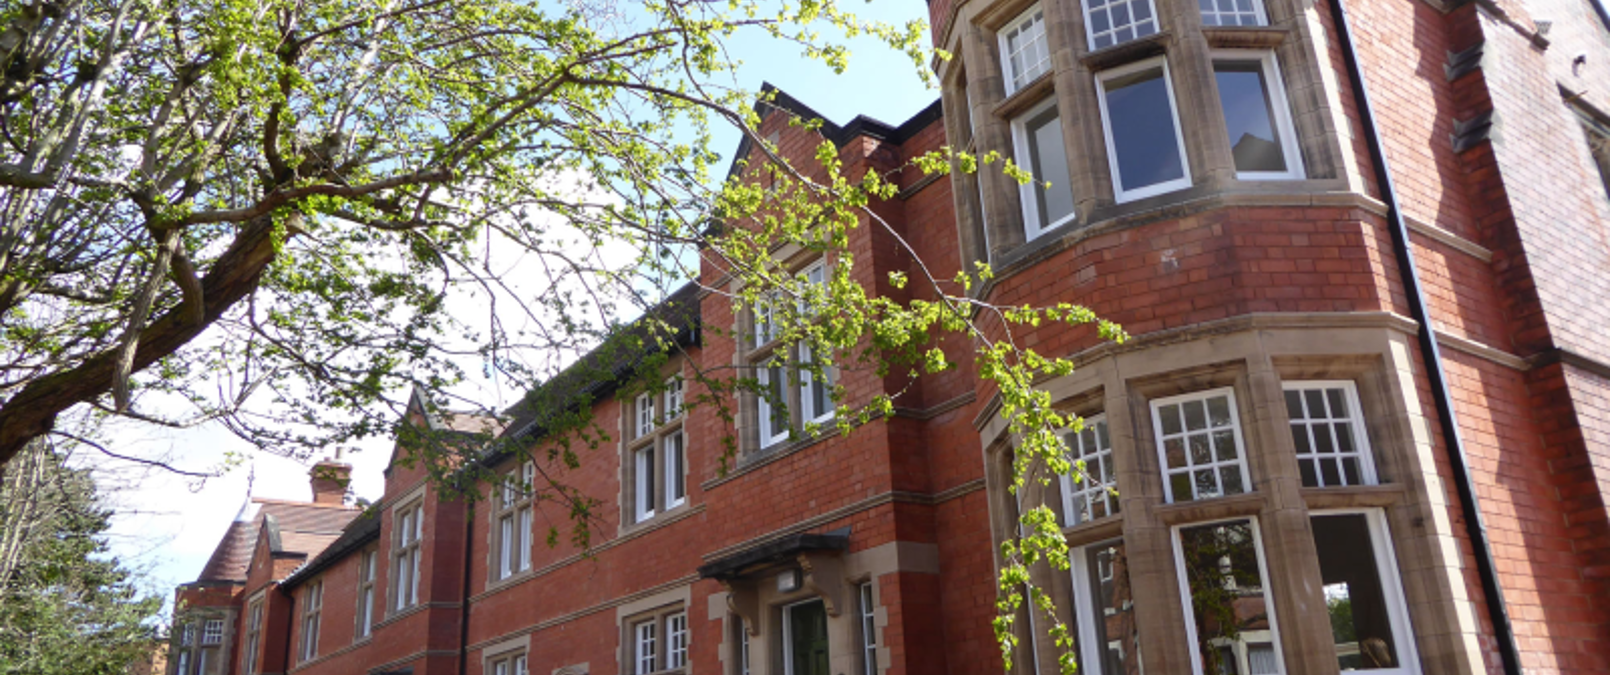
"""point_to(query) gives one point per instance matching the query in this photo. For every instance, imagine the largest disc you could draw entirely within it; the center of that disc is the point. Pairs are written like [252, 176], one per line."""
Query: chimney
[330, 480]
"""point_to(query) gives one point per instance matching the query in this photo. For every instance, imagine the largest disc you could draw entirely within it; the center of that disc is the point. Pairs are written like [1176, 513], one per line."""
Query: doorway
[805, 639]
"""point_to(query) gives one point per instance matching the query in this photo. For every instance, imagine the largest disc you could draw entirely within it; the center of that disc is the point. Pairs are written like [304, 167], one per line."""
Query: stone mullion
[1002, 205]
[1075, 92]
[1288, 540]
[964, 187]
[1190, 63]
[1159, 611]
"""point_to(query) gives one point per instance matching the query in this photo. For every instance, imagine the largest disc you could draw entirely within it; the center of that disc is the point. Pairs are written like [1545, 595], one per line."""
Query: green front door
[806, 638]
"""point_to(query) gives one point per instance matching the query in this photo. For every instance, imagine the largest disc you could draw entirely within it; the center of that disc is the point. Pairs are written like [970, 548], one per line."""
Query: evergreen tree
[65, 607]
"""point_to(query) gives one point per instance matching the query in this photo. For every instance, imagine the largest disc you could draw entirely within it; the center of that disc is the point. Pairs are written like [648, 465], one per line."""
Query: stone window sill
[1250, 37]
[1217, 508]
[1128, 52]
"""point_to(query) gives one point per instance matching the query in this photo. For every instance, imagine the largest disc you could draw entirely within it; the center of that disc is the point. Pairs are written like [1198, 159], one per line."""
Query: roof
[302, 528]
[358, 533]
[603, 370]
[861, 125]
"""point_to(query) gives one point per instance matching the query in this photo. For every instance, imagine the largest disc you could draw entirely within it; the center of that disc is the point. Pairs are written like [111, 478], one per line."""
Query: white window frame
[312, 608]
[368, 566]
[644, 410]
[1034, 224]
[183, 665]
[867, 606]
[645, 647]
[673, 397]
[676, 640]
[1284, 127]
[1015, 82]
[511, 518]
[507, 664]
[1120, 194]
[674, 471]
[807, 382]
[1091, 654]
[768, 435]
[187, 635]
[1162, 456]
[212, 632]
[406, 554]
[644, 500]
[1090, 32]
[1397, 604]
[1362, 452]
[1094, 487]
[1257, 10]
[1191, 639]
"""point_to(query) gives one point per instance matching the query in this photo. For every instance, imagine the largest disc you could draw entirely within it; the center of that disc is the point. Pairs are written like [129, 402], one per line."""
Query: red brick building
[1363, 422]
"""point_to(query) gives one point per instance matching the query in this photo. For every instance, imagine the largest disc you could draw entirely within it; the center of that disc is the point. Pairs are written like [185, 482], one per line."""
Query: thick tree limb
[32, 412]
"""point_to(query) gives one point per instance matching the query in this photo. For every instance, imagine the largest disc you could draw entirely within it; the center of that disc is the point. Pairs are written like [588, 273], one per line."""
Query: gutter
[1475, 528]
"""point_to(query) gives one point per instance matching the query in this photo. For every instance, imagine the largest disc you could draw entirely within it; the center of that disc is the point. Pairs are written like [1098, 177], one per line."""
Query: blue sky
[169, 524]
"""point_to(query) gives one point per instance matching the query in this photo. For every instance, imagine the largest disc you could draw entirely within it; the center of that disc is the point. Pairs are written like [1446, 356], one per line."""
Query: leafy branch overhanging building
[1363, 424]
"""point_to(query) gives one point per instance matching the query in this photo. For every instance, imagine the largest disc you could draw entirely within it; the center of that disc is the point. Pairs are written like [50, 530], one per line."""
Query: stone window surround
[657, 608]
[506, 650]
[413, 501]
[523, 474]
[973, 94]
[795, 259]
[632, 442]
[1378, 358]
[195, 619]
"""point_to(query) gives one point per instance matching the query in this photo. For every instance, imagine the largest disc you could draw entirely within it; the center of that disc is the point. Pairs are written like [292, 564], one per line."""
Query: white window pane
[676, 489]
[1026, 54]
[1107, 624]
[1362, 610]
[1142, 131]
[773, 416]
[1199, 441]
[1231, 12]
[506, 552]
[1041, 151]
[524, 535]
[1328, 436]
[645, 648]
[1224, 585]
[1094, 497]
[869, 644]
[644, 468]
[676, 636]
[1112, 22]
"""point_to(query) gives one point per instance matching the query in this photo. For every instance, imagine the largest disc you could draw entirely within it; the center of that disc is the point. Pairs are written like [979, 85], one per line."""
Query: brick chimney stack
[330, 479]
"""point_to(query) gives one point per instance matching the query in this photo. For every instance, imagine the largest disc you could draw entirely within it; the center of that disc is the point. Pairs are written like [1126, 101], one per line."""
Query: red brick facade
[1250, 290]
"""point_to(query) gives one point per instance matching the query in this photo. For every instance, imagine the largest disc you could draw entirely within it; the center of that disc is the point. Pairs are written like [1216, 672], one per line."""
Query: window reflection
[1141, 126]
[1111, 613]
[1360, 618]
[1229, 605]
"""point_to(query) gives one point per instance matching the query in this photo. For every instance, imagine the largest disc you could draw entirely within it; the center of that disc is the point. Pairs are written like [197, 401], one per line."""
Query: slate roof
[303, 528]
[358, 533]
[604, 369]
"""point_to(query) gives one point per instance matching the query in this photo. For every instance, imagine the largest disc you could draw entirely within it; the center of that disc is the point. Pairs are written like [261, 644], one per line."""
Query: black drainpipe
[1503, 634]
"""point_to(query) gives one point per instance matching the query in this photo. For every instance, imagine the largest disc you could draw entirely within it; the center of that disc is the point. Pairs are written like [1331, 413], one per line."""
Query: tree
[265, 209]
[64, 607]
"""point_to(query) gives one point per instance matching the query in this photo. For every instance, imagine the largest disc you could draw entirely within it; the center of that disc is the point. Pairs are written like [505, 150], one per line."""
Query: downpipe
[1475, 528]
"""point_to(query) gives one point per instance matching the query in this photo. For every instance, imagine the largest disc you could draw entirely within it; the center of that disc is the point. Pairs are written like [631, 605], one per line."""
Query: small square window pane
[1329, 472]
[1174, 449]
[1306, 467]
[1170, 415]
[1195, 418]
[1224, 446]
[1207, 485]
[1142, 127]
[1219, 411]
[1230, 479]
[1099, 21]
[1180, 484]
[1294, 404]
[1350, 471]
[1199, 450]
